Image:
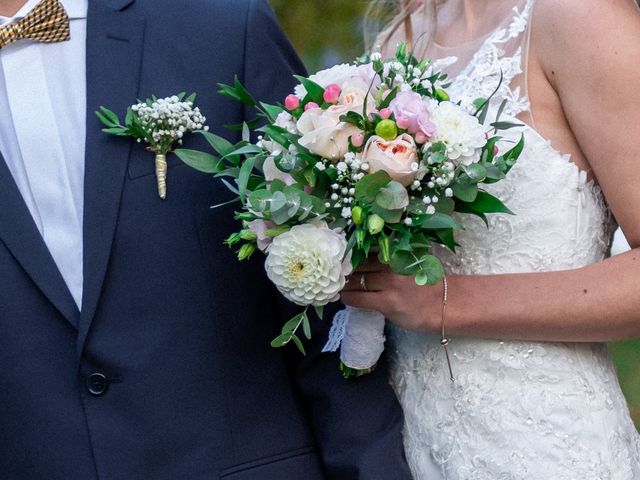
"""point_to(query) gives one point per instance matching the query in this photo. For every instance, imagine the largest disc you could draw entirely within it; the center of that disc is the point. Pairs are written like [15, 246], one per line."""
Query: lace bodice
[518, 410]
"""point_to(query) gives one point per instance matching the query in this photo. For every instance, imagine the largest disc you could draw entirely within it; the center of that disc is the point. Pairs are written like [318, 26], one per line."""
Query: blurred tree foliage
[330, 31]
[324, 32]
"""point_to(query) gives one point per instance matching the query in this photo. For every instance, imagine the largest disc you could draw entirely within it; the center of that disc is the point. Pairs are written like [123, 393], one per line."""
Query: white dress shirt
[42, 135]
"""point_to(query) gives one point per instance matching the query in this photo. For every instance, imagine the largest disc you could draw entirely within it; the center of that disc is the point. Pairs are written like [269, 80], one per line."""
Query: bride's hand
[375, 287]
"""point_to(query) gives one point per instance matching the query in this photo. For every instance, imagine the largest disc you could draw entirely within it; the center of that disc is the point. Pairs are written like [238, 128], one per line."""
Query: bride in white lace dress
[533, 298]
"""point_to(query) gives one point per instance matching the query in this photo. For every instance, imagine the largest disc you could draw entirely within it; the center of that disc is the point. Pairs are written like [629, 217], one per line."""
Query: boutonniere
[161, 123]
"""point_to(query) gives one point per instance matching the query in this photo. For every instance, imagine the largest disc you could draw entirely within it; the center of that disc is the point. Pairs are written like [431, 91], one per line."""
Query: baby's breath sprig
[159, 122]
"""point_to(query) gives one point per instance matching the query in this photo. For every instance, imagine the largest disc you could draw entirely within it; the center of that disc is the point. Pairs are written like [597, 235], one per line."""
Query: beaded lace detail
[518, 410]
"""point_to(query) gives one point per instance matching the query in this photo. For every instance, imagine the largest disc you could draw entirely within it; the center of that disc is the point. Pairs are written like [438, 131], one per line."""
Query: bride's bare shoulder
[585, 21]
[577, 33]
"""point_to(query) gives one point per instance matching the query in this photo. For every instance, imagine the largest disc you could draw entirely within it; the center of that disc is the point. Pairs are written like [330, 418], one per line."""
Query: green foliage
[290, 332]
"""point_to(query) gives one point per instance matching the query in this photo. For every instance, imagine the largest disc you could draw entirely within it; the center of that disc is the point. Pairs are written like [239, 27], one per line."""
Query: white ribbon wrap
[361, 335]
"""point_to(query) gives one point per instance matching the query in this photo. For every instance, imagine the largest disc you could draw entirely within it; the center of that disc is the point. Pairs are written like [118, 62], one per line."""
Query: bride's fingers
[367, 282]
[365, 300]
[372, 265]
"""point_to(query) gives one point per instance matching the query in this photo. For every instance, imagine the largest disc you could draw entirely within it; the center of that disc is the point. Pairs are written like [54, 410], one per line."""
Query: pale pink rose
[345, 76]
[395, 157]
[322, 131]
[414, 110]
[272, 172]
[260, 227]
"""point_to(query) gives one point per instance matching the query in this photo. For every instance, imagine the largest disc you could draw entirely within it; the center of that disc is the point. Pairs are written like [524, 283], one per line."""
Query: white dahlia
[460, 131]
[308, 264]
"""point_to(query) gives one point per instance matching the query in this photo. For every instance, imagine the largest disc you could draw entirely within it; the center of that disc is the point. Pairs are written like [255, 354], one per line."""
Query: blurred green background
[329, 32]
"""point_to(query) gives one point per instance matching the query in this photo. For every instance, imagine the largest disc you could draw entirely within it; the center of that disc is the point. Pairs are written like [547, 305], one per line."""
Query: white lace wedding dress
[517, 410]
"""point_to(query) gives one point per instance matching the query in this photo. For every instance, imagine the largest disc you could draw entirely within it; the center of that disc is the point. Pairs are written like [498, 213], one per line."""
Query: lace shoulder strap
[500, 63]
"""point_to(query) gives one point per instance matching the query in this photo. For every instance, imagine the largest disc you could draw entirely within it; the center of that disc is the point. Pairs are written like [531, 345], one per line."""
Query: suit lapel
[114, 58]
[19, 233]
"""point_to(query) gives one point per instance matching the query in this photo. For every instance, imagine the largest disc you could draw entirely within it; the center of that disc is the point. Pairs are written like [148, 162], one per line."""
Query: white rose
[460, 131]
[307, 264]
[322, 131]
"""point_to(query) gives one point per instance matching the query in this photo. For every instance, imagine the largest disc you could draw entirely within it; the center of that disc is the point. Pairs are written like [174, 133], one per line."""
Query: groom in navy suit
[132, 345]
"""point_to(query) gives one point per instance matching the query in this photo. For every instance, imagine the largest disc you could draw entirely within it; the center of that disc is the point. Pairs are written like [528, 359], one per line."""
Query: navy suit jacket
[167, 373]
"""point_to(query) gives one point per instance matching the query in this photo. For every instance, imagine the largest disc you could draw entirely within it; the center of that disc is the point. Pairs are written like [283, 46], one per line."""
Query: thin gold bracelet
[444, 340]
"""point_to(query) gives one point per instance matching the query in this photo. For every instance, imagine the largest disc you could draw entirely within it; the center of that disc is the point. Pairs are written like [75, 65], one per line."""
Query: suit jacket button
[97, 384]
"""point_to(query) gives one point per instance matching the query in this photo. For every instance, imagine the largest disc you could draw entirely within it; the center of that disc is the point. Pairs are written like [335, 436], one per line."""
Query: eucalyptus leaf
[466, 192]
[439, 221]
[278, 201]
[389, 216]
[281, 340]
[306, 324]
[259, 200]
[494, 174]
[368, 187]
[445, 205]
[476, 172]
[292, 325]
[393, 196]
[298, 344]
[418, 262]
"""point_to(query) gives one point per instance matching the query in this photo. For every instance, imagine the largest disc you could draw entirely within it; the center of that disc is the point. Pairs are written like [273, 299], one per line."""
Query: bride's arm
[591, 56]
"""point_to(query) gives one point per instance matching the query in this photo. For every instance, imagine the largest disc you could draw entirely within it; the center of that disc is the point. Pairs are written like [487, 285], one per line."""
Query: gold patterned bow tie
[48, 22]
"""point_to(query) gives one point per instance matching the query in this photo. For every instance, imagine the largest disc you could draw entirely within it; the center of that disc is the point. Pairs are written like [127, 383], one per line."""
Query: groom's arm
[357, 423]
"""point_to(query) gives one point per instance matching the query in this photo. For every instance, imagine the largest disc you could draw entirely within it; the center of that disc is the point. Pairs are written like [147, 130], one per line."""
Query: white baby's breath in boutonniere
[161, 123]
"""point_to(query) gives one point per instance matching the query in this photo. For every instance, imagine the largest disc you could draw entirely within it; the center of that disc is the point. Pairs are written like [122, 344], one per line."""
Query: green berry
[387, 129]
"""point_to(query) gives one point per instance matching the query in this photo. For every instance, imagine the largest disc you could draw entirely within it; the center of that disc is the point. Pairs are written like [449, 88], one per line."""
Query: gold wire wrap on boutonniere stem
[444, 340]
[161, 175]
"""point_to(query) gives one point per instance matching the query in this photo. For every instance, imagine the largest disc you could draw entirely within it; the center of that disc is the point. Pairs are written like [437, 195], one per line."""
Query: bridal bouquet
[369, 158]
